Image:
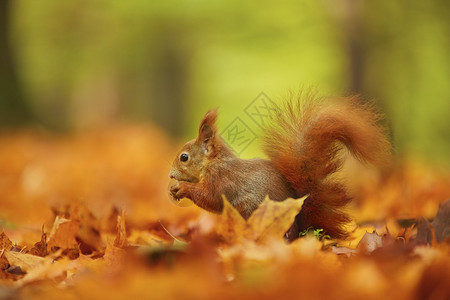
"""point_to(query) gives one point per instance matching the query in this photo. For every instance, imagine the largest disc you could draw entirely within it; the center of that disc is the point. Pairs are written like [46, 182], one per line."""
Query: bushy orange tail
[305, 144]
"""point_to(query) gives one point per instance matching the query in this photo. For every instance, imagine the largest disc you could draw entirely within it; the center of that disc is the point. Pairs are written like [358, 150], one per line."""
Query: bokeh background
[71, 65]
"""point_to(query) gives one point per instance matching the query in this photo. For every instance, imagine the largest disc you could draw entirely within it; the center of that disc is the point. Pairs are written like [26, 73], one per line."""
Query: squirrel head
[190, 162]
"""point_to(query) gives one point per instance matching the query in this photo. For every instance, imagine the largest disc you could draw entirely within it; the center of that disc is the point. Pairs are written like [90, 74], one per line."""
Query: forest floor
[87, 216]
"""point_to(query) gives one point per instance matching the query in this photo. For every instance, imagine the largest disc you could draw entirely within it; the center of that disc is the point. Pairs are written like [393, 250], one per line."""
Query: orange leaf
[63, 233]
[5, 242]
[121, 237]
[89, 232]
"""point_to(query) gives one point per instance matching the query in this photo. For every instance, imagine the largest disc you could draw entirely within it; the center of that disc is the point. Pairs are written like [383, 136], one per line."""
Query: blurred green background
[69, 65]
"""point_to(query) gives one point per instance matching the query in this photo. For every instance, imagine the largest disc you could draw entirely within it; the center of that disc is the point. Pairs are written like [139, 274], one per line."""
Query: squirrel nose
[172, 174]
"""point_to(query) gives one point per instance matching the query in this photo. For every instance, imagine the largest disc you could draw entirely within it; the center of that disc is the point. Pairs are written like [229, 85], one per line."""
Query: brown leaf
[5, 242]
[369, 242]
[441, 222]
[4, 264]
[424, 233]
[71, 253]
[40, 248]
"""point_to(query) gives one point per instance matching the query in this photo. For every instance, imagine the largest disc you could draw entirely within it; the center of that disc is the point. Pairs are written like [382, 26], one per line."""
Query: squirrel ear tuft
[207, 130]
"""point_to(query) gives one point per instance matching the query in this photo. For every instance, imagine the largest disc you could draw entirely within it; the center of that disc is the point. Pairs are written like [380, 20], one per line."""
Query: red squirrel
[303, 145]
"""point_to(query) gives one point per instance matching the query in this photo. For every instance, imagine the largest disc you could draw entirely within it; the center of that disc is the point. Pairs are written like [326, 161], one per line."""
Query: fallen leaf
[121, 236]
[258, 239]
[272, 218]
[5, 242]
[114, 258]
[370, 242]
[89, 232]
[63, 234]
[145, 238]
[355, 235]
[24, 260]
[343, 251]
[231, 225]
[4, 264]
[55, 270]
[40, 248]
[424, 233]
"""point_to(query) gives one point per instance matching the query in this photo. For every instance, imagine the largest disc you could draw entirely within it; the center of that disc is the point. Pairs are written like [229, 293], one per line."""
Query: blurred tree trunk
[356, 51]
[13, 109]
[170, 87]
[348, 14]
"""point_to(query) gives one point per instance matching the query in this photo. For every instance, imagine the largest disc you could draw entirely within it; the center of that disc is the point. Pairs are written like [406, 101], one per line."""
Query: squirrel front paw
[174, 186]
[177, 190]
[182, 191]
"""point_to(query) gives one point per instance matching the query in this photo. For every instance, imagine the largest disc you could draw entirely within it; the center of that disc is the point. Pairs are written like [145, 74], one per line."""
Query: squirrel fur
[304, 146]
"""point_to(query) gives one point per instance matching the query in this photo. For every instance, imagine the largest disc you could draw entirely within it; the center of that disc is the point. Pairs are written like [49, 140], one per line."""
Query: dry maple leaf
[56, 270]
[231, 225]
[63, 234]
[5, 242]
[258, 240]
[370, 242]
[271, 220]
[24, 260]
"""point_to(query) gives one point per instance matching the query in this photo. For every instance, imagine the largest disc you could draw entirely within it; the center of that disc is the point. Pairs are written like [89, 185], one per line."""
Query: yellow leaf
[356, 235]
[56, 270]
[23, 260]
[273, 218]
[232, 225]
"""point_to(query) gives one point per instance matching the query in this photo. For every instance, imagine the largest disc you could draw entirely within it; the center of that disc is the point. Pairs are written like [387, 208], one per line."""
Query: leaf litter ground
[87, 216]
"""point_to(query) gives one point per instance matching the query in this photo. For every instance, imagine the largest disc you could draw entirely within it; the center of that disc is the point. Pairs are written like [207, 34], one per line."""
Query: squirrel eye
[184, 157]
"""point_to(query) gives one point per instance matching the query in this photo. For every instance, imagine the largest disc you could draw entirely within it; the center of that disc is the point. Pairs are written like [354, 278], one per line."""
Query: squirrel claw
[174, 187]
[181, 190]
